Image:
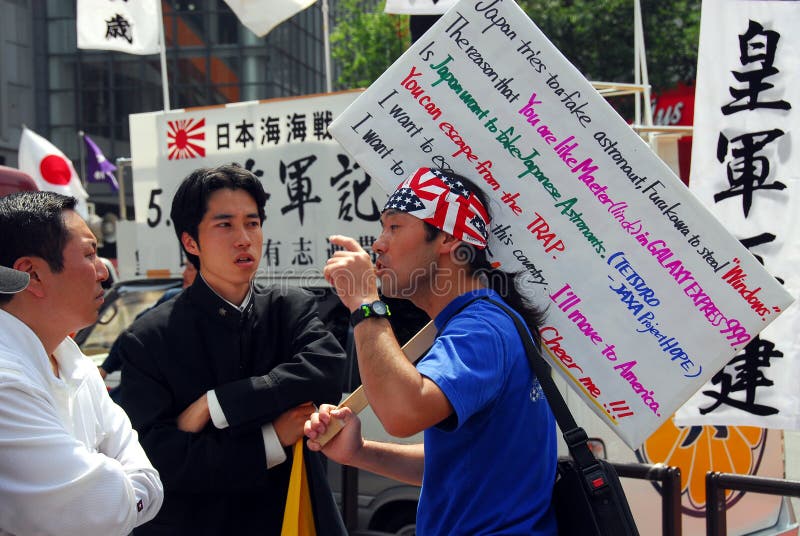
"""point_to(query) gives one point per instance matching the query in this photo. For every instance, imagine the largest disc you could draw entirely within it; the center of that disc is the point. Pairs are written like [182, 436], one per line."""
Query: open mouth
[381, 269]
[244, 259]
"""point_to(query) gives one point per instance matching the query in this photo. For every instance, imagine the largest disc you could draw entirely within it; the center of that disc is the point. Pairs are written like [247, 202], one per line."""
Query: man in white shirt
[70, 462]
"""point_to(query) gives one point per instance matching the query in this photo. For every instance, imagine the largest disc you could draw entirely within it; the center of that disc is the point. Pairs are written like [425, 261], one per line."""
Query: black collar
[201, 296]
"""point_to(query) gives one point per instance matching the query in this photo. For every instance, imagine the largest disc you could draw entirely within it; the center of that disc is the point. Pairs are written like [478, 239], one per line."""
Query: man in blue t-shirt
[488, 461]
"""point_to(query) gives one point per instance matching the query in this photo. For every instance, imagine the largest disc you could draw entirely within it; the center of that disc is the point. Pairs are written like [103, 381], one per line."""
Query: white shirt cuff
[272, 446]
[217, 415]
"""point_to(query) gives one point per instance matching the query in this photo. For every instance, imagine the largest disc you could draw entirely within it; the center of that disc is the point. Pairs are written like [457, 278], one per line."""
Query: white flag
[261, 16]
[746, 169]
[50, 168]
[418, 7]
[131, 27]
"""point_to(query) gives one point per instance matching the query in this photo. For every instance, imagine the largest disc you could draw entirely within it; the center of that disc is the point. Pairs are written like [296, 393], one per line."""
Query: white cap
[12, 281]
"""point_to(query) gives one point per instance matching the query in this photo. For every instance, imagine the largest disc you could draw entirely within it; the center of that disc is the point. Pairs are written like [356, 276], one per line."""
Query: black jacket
[273, 357]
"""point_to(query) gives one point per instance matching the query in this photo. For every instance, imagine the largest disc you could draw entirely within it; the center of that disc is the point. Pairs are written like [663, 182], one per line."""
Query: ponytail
[504, 283]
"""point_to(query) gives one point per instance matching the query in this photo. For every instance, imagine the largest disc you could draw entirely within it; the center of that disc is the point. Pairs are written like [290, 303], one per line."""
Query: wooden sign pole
[357, 401]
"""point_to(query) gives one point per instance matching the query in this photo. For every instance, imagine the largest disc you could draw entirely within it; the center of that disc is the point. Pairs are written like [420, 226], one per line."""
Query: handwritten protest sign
[647, 294]
[312, 183]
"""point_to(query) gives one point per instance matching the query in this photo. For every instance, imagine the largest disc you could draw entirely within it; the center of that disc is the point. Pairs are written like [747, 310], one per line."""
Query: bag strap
[574, 435]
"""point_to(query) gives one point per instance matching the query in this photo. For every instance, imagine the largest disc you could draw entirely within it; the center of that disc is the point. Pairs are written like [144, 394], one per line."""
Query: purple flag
[98, 168]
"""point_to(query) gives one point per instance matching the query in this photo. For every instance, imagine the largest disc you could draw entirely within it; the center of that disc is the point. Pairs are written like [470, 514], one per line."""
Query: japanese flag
[418, 7]
[261, 16]
[50, 169]
[123, 26]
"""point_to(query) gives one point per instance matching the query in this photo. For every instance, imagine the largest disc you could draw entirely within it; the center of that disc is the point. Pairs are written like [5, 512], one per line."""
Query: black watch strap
[376, 309]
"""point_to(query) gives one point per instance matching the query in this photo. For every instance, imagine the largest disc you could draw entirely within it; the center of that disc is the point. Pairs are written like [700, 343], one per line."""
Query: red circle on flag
[181, 139]
[55, 170]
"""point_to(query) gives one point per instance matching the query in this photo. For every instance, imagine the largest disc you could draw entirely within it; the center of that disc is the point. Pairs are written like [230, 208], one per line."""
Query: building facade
[57, 90]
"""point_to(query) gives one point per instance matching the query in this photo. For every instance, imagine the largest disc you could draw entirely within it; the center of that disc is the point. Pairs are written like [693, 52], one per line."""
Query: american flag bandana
[445, 203]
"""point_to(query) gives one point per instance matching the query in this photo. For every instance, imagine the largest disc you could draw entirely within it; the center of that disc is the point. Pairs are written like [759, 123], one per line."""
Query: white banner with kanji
[629, 263]
[315, 188]
[746, 170]
[119, 25]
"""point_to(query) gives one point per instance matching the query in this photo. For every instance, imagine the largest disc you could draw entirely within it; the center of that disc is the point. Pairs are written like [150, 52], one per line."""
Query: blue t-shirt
[489, 468]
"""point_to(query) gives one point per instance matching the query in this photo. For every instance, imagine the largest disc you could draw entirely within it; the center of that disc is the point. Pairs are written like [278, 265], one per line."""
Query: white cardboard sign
[631, 266]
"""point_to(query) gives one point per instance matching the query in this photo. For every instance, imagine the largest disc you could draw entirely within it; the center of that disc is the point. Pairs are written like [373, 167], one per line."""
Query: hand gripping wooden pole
[357, 401]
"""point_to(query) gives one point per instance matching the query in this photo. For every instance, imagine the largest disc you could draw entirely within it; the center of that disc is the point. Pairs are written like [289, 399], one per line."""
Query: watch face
[379, 308]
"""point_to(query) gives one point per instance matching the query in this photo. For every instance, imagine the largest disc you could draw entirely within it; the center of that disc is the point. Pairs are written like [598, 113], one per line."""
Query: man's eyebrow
[222, 216]
[388, 212]
[226, 216]
[89, 240]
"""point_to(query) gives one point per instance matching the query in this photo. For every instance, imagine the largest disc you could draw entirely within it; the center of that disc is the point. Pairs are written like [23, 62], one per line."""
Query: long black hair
[506, 284]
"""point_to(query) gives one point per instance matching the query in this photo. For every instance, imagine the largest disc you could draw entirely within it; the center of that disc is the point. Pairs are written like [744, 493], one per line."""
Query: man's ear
[448, 244]
[37, 270]
[190, 244]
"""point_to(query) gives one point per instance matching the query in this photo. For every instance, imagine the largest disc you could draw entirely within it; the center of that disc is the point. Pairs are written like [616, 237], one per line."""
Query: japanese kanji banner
[746, 170]
[131, 27]
[418, 7]
[630, 264]
[315, 187]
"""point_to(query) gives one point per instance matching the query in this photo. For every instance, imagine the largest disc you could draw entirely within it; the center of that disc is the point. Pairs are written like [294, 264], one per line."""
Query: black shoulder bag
[587, 496]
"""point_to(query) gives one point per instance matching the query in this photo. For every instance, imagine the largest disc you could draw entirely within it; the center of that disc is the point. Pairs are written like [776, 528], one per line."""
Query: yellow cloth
[298, 518]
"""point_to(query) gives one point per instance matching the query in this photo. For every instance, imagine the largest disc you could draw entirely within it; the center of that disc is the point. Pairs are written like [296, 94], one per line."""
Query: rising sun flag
[185, 138]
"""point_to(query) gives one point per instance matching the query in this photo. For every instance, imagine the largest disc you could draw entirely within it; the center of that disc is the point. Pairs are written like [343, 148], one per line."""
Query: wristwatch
[376, 309]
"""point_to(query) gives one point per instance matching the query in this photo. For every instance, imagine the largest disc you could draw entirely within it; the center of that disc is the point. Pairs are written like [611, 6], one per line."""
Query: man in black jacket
[220, 380]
